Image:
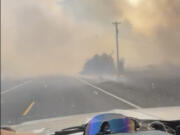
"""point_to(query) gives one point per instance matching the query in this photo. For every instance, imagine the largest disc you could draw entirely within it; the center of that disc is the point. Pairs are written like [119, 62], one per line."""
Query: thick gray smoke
[157, 20]
[57, 36]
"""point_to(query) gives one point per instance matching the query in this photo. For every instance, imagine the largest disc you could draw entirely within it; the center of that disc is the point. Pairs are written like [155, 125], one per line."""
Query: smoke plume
[57, 36]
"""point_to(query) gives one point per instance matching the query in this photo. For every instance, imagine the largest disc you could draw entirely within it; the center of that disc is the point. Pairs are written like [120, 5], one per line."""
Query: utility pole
[117, 45]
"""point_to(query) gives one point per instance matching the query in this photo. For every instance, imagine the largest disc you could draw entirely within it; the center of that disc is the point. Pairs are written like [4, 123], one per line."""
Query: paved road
[51, 97]
[61, 96]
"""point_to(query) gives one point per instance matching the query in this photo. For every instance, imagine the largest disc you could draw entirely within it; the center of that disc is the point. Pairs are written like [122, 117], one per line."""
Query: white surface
[15, 87]
[56, 124]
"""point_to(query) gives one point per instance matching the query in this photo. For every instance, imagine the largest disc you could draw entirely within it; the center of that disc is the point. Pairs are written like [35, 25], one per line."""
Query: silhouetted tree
[99, 65]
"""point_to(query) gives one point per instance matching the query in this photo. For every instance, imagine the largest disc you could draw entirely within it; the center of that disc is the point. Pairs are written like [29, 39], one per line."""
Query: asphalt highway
[49, 97]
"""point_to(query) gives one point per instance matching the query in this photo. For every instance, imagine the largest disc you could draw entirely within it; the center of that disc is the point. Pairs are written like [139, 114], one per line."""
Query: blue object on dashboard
[110, 123]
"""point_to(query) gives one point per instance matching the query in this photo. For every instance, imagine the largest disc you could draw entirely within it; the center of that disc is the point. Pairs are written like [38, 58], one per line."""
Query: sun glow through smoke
[134, 2]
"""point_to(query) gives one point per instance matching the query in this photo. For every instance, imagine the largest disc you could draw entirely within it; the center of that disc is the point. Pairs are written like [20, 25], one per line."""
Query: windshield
[67, 57]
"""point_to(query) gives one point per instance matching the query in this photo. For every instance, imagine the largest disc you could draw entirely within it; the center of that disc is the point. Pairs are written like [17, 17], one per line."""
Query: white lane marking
[15, 87]
[95, 92]
[110, 94]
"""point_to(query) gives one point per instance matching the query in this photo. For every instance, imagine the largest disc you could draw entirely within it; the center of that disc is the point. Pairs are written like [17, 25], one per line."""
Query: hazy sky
[42, 37]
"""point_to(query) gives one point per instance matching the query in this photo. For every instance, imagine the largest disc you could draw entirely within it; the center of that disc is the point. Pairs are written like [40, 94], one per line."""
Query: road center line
[28, 108]
[15, 87]
[110, 94]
